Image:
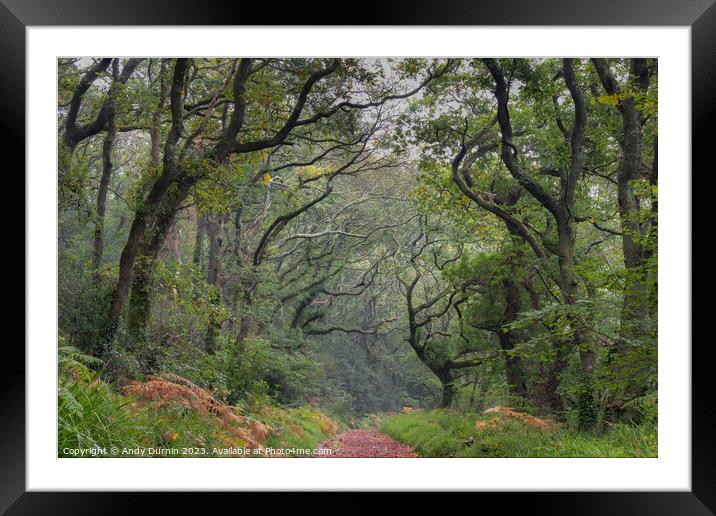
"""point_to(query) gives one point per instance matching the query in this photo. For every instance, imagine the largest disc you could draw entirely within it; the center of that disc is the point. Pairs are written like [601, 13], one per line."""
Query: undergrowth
[169, 416]
[445, 433]
[300, 427]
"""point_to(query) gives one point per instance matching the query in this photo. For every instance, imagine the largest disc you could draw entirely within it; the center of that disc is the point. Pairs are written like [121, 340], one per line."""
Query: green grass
[299, 427]
[94, 417]
[443, 433]
[91, 416]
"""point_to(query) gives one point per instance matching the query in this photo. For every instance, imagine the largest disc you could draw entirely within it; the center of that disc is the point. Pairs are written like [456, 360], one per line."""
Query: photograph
[357, 257]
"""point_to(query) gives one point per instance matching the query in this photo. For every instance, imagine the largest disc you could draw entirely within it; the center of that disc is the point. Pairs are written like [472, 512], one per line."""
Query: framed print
[433, 256]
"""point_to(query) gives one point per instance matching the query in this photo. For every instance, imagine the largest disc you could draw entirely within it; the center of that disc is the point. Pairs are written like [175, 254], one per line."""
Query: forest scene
[357, 257]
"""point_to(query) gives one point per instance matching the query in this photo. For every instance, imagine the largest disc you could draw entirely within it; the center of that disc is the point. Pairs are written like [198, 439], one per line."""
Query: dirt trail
[365, 443]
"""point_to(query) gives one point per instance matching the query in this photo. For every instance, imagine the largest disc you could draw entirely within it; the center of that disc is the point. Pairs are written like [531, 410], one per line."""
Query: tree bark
[448, 389]
[107, 166]
[215, 226]
[246, 320]
[514, 369]
[635, 324]
[545, 393]
[561, 208]
[551, 374]
[139, 310]
[201, 222]
[144, 216]
[215, 234]
[75, 132]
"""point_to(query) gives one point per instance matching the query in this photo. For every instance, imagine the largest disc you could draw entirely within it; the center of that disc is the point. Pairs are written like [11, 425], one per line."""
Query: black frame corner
[700, 15]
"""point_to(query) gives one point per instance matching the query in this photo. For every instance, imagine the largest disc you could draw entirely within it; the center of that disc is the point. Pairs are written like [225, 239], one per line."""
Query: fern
[89, 414]
[71, 356]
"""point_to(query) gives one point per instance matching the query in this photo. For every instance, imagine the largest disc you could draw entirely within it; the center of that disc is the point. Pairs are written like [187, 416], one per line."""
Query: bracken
[170, 390]
[506, 414]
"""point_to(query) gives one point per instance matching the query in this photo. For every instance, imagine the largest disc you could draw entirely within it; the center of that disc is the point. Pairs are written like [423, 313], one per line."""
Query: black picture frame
[700, 15]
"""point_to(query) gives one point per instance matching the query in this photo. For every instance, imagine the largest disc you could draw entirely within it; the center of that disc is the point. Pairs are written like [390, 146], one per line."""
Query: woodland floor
[365, 443]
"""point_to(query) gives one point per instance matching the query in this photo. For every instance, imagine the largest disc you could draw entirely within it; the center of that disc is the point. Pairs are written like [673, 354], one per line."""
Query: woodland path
[365, 443]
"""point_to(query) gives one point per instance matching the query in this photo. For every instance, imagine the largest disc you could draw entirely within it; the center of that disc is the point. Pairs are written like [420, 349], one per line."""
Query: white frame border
[670, 471]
